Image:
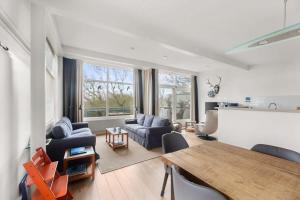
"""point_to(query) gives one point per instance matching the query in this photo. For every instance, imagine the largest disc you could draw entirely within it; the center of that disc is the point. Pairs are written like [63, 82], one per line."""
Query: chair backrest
[186, 190]
[173, 142]
[40, 158]
[277, 152]
[211, 122]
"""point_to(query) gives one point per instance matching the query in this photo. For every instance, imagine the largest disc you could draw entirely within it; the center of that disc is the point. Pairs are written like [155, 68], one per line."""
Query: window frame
[107, 82]
[174, 88]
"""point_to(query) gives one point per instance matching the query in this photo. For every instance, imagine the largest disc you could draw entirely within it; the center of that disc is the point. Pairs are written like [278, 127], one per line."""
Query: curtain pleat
[194, 102]
[151, 91]
[79, 92]
[69, 88]
[139, 103]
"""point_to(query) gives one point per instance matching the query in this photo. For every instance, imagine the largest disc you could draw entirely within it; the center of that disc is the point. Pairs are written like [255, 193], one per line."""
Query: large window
[174, 96]
[108, 91]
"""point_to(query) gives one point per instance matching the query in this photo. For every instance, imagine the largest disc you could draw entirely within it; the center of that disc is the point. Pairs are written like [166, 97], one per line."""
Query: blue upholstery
[67, 122]
[158, 121]
[133, 127]
[148, 120]
[140, 119]
[60, 130]
[150, 135]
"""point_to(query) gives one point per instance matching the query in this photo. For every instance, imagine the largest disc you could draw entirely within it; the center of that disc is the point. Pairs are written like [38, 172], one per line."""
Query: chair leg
[164, 184]
[69, 195]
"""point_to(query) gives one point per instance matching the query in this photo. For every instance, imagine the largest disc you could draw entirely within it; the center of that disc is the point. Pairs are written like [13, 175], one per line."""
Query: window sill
[89, 119]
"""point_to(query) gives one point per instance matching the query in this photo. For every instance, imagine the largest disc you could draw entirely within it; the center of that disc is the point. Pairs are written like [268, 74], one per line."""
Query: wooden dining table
[238, 173]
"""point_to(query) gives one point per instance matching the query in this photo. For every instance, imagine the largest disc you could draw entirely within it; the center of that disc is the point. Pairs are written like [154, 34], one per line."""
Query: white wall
[279, 82]
[16, 94]
[100, 125]
[15, 116]
[263, 127]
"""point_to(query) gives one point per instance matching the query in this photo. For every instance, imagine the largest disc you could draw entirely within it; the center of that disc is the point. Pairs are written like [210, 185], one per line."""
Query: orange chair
[50, 185]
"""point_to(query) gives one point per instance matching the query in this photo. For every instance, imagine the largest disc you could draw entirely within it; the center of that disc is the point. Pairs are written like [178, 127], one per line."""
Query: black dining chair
[187, 190]
[277, 152]
[171, 142]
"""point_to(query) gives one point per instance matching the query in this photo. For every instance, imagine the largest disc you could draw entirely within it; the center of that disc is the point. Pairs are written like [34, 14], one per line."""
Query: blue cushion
[158, 122]
[67, 121]
[140, 119]
[133, 127]
[148, 120]
[60, 130]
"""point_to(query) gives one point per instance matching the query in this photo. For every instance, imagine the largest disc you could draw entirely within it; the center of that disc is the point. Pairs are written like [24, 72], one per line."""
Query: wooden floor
[142, 181]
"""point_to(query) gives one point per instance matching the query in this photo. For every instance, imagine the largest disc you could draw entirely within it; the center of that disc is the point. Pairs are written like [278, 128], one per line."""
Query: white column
[38, 107]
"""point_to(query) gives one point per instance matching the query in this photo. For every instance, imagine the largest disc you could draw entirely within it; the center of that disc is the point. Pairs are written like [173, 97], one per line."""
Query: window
[108, 91]
[174, 96]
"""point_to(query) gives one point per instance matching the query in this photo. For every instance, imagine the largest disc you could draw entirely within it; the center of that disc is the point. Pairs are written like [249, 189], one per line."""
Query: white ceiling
[194, 35]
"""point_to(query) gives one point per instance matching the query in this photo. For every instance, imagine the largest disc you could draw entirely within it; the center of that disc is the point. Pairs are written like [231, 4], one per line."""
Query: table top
[89, 152]
[115, 132]
[239, 173]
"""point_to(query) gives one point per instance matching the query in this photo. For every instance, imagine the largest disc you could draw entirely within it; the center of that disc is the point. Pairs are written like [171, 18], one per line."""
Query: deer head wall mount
[214, 88]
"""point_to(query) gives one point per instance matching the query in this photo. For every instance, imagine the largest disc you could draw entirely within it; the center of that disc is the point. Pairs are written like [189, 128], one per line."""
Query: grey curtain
[139, 92]
[70, 90]
[195, 97]
[150, 91]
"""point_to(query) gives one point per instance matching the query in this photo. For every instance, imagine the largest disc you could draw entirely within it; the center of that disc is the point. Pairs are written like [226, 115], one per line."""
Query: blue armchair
[65, 135]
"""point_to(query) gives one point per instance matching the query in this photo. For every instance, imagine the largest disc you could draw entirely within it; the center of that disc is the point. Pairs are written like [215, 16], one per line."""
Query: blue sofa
[66, 135]
[147, 130]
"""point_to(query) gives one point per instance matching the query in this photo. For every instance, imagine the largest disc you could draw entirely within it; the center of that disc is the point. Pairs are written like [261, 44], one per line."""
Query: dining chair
[277, 152]
[186, 190]
[171, 142]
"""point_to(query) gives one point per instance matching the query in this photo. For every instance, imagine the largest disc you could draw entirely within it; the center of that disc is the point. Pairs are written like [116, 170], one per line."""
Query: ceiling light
[286, 33]
[165, 57]
[263, 42]
[132, 48]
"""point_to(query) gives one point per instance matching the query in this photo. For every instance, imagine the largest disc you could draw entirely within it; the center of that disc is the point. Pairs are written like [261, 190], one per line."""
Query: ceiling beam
[103, 58]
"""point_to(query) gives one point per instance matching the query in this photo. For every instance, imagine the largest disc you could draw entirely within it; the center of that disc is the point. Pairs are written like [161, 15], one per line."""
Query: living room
[142, 99]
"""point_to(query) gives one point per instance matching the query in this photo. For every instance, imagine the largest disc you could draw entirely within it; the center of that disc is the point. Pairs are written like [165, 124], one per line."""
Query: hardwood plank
[239, 173]
[140, 181]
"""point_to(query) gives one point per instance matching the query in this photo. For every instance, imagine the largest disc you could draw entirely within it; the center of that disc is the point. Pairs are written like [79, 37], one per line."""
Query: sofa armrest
[131, 121]
[57, 147]
[79, 125]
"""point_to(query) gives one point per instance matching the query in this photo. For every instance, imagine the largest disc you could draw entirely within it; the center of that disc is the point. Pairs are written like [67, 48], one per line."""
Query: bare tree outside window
[107, 91]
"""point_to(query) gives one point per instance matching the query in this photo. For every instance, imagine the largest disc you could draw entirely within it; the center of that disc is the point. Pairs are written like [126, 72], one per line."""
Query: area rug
[112, 160]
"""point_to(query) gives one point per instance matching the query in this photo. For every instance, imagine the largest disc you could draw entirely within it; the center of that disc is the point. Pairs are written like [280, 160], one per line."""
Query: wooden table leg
[106, 135]
[65, 167]
[94, 166]
[127, 140]
[113, 142]
[109, 137]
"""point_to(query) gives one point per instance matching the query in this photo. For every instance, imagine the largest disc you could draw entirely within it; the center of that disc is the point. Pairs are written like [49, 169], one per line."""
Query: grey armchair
[210, 126]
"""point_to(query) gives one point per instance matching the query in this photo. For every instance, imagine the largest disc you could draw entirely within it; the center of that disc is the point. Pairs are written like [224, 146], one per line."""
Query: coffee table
[115, 138]
[89, 158]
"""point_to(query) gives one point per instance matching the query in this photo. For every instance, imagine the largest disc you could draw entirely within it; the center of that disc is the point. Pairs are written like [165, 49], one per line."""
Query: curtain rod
[4, 47]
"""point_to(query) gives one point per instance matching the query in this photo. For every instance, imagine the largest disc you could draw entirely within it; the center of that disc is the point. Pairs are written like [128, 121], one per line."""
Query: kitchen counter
[246, 127]
[260, 109]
